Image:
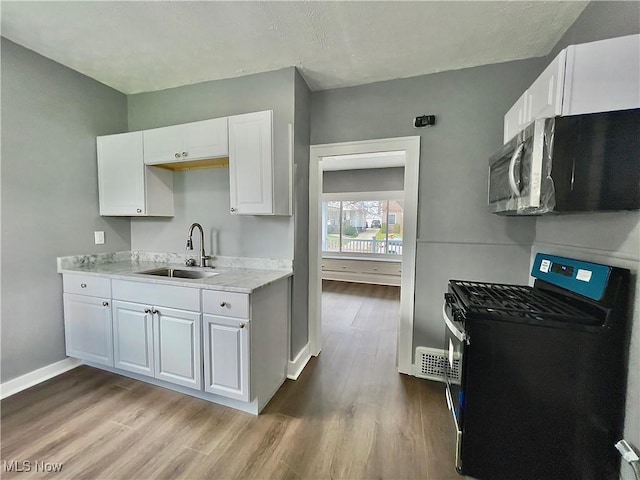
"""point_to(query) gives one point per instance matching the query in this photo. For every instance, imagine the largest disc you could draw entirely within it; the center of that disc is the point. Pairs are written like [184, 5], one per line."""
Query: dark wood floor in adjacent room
[350, 415]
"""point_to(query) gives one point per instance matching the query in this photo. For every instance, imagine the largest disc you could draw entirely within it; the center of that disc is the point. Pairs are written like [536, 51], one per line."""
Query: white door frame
[411, 147]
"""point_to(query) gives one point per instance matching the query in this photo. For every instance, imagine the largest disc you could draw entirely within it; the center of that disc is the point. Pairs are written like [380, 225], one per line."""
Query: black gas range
[542, 382]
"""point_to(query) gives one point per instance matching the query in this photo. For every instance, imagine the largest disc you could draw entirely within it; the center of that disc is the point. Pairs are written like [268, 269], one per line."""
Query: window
[362, 227]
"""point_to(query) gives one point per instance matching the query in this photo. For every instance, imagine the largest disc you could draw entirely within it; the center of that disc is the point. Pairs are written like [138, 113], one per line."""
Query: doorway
[367, 154]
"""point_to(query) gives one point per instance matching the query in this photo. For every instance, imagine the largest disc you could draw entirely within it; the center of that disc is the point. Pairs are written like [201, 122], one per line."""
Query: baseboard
[297, 365]
[30, 379]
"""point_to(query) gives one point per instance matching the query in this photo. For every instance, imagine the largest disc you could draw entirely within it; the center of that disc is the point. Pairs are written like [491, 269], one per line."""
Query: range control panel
[584, 278]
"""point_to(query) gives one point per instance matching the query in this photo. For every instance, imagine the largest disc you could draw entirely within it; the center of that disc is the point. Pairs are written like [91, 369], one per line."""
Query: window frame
[390, 195]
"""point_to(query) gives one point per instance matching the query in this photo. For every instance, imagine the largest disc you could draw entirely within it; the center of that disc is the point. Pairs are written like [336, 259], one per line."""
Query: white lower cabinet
[224, 344]
[87, 328]
[158, 340]
[133, 337]
[177, 341]
[226, 356]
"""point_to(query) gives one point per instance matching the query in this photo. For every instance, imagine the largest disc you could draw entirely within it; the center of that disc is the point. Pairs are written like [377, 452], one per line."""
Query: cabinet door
[602, 76]
[226, 357]
[251, 163]
[133, 337]
[164, 145]
[87, 328]
[544, 97]
[121, 174]
[515, 118]
[206, 139]
[178, 357]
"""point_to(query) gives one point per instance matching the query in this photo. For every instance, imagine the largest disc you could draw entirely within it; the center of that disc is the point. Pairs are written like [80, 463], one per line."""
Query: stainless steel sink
[178, 273]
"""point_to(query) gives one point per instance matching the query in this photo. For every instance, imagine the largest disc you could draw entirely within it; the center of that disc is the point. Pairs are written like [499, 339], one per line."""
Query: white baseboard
[297, 365]
[30, 379]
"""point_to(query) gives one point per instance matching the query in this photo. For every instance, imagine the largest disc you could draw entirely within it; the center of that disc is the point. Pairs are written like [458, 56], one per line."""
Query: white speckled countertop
[233, 274]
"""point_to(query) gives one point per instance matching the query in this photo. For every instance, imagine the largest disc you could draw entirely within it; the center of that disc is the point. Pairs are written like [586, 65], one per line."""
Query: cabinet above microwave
[591, 77]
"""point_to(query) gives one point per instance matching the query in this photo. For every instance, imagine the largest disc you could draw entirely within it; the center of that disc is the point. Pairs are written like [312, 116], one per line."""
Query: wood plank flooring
[350, 415]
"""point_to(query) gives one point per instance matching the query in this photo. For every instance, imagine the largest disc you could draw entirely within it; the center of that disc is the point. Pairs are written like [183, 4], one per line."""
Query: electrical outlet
[99, 236]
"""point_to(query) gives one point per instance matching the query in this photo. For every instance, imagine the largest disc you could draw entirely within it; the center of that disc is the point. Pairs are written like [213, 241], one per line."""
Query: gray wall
[300, 292]
[609, 238]
[457, 236]
[50, 118]
[364, 180]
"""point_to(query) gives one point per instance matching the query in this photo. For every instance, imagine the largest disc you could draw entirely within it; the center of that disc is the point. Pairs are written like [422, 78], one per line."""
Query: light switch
[99, 238]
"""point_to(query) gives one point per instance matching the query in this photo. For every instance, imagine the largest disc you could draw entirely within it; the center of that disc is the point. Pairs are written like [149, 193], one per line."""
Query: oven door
[455, 343]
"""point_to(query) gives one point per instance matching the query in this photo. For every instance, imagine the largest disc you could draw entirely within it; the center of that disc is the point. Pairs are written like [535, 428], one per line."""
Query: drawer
[337, 265]
[229, 304]
[171, 296]
[87, 285]
[385, 268]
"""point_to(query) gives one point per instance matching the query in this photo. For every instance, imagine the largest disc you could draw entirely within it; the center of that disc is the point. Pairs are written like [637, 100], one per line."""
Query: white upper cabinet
[121, 174]
[544, 97]
[251, 163]
[514, 120]
[187, 142]
[603, 76]
[600, 76]
[125, 186]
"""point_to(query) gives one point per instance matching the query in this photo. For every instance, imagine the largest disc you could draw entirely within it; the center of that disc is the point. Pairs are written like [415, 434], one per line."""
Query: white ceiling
[146, 46]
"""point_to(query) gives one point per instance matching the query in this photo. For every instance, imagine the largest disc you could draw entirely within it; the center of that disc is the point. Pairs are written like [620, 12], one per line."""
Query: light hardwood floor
[350, 415]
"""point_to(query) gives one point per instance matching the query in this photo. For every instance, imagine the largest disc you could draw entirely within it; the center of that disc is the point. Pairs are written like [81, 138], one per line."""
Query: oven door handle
[462, 336]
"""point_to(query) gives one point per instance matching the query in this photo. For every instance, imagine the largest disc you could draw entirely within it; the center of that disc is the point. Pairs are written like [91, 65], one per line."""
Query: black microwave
[581, 163]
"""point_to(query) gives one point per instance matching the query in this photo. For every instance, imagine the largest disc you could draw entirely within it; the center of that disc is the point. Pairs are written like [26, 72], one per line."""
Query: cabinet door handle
[184, 154]
[147, 310]
[242, 325]
[154, 311]
[177, 155]
[233, 209]
[83, 285]
[105, 304]
[224, 304]
[139, 210]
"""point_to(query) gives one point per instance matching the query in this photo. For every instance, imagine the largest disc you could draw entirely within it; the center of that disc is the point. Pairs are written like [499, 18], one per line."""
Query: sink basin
[178, 273]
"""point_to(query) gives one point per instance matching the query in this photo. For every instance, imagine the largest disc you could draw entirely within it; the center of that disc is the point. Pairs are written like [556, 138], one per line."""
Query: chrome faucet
[203, 256]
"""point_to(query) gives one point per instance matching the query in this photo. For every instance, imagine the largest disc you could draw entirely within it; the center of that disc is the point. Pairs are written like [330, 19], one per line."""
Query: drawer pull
[83, 285]
[105, 304]
[224, 304]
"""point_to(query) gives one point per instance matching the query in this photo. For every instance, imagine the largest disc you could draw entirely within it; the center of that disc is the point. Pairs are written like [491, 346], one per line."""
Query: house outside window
[362, 227]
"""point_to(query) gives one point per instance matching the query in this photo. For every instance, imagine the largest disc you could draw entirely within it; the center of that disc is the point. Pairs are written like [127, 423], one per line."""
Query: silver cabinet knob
[177, 155]
[83, 285]
[139, 210]
[105, 304]
[242, 325]
[233, 209]
[147, 310]
[184, 154]
[224, 304]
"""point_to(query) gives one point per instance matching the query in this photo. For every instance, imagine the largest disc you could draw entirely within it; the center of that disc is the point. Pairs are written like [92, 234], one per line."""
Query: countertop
[228, 278]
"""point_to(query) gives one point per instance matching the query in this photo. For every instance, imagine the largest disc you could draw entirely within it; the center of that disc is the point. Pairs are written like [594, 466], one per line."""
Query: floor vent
[431, 362]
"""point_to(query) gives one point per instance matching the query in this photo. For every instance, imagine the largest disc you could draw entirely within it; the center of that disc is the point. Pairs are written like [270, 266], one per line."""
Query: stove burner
[510, 300]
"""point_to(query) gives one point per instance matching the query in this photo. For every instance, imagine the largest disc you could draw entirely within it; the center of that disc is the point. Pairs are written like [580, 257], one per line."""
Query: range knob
[458, 316]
